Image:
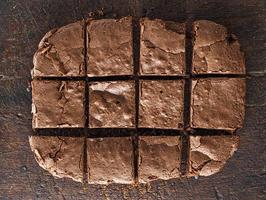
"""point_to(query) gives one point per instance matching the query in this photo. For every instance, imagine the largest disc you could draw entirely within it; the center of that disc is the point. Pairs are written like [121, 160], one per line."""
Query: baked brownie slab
[112, 104]
[159, 158]
[57, 104]
[110, 47]
[216, 51]
[61, 156]
[161, 104]
[110, 160]
[162, 47]
[60, 52]
[208, 154]
[218, 103]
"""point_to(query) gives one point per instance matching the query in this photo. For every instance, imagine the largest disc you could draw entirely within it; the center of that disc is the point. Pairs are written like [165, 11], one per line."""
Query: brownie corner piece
[61, 156]
[110, 160]
[60, 52]
[162, 47]
[57, 104]
[218, 103]
[110, 50]
[159, 158]
[112, 104]
[215, 50]
[161, 104]
[209, 154]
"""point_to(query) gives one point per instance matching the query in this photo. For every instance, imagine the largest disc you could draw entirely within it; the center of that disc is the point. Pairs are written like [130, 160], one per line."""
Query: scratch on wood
[32, 17]
[256, 105]
[7, 78]
[218, 195]
[257, 73]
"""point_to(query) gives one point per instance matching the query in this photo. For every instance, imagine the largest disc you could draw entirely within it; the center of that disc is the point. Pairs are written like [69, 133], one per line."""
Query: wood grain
[22, 25]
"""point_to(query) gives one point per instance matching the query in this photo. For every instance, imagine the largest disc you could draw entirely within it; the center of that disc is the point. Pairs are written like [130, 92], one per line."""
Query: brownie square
[61, 156]
[159, 158]
[112, 104]
[57, 104]
[216, 51]
[208, 154]
[110, 47]
[162, 47]
[218, 103]
[60, 52]
[161, 104]
[110, 160]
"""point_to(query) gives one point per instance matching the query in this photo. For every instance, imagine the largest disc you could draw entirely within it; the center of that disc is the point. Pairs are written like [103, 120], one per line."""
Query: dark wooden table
[22, 25]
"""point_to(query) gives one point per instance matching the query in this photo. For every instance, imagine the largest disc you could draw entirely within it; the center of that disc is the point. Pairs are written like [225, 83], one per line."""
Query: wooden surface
[22, 25]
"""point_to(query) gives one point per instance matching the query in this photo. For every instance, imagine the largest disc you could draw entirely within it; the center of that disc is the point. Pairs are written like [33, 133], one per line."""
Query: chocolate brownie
[162, 47]
[215, 50]
[57, 104]
[218, 103]
[61, 156]
[216, 106]
[159, 158]
[110, 47]
[112, 104]
[161, 104]
[110, 160]
[60, 52]
[208, 154]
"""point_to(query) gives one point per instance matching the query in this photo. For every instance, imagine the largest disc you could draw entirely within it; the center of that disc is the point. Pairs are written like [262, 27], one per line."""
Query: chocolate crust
[209, 154]
[215, 50]
[159, 158]
[60, 156]
[161, 104]
[57, 104]
[112, 104]
[110, 47]
[110, 160]
[218, 103]
[162, 47]
[60, 52]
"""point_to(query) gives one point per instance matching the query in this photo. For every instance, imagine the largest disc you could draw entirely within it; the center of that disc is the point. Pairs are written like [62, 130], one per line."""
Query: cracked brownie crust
[159, 158]
[162, 45]
[61, 156]
[57, 104]
[218, 103]
[215, 50]
[208, 154]
[60, 52]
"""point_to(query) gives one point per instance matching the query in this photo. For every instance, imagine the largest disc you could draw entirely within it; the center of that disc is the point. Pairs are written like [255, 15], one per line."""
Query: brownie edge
[209, 154]
[57, 104]
[61, 156]
[60, 52]
[215, 50]
[159, 158]
[218, 103]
